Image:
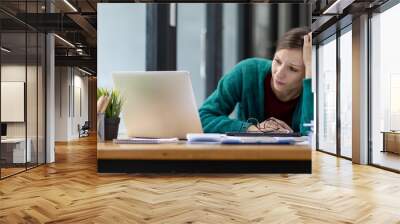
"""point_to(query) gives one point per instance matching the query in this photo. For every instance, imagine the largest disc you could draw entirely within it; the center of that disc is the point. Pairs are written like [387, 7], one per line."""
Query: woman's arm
[217, 107]
[307, 109]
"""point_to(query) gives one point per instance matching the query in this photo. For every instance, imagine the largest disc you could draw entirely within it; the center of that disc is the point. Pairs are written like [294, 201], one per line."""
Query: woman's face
[288, 70]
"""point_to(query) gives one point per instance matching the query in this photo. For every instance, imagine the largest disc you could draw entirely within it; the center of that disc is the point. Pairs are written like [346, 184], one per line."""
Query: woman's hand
[271, 125]
[307, 51]
[275, 125]
[253, 128]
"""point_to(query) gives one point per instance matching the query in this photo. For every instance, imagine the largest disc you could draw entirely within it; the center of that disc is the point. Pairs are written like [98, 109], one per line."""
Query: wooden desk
[187, 158]
[14, 152]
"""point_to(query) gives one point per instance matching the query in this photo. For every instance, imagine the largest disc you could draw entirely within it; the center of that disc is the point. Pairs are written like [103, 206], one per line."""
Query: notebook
[204, 138]
[129, 140]
[263, 134]
[258, 140]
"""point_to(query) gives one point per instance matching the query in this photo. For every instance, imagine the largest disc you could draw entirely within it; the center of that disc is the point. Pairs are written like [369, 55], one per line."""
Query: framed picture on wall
[12, 101]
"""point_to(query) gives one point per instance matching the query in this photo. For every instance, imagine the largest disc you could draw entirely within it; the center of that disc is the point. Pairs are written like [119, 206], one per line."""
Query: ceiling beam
[81, 61]
[84, 24]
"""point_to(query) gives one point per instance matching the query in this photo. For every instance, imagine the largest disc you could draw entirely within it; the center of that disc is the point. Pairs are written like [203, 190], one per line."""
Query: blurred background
[205, 39]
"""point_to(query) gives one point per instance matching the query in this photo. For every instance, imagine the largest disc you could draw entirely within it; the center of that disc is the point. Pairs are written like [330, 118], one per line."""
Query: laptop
[158, 104]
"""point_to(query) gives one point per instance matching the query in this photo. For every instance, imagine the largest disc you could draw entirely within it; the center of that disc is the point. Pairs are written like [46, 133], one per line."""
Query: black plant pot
[111, 126]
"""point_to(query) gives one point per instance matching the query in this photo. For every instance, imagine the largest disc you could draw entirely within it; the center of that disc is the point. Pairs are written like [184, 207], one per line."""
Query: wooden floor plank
[71, 191]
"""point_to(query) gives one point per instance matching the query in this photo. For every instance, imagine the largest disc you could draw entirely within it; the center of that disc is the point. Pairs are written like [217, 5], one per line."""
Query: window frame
[333, 33]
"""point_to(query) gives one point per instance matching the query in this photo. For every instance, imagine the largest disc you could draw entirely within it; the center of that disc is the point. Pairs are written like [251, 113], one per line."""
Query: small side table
[391, 141]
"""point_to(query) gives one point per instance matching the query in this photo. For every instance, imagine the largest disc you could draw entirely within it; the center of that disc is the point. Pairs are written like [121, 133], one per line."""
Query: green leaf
[116, 101]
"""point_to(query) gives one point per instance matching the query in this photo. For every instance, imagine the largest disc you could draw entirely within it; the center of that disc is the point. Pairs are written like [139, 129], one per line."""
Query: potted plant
[112, 119]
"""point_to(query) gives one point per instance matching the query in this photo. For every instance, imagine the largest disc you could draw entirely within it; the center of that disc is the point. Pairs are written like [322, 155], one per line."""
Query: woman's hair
[293, 39]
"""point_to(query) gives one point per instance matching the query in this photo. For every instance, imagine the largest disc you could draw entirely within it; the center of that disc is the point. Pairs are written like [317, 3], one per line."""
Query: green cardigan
[244, 86]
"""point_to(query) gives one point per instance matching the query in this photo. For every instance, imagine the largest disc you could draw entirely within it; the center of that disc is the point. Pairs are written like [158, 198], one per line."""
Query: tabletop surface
[183, 151]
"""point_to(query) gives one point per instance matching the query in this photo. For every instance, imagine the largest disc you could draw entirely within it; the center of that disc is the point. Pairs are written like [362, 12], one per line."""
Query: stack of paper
[224, 139]
[257, 140]
[130, 140]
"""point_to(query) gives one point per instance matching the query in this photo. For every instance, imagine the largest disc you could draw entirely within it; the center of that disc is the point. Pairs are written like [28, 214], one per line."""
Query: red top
[276, 108]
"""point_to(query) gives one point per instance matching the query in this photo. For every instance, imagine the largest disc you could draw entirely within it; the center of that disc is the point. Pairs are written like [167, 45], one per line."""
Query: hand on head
[307, 58]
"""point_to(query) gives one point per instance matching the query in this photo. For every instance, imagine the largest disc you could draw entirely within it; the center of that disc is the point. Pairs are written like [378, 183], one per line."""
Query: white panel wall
[15, 73]
[67, 113]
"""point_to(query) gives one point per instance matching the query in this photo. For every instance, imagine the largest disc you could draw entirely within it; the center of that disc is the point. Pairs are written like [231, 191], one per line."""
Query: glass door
[326, 95]
[385, 89]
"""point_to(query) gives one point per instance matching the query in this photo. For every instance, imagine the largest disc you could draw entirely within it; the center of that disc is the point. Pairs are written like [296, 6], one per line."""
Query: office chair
[84, 130]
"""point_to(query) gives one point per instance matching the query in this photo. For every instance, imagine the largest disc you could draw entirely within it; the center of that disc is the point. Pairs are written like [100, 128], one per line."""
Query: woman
[276, 93]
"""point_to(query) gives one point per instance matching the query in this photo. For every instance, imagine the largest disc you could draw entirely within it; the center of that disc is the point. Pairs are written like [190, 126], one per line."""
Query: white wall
[61, 103]
[121, 41]
[67, 114]
[230, 39]
[33, 126]
[191, 34]
[80, 83]
[16, 73]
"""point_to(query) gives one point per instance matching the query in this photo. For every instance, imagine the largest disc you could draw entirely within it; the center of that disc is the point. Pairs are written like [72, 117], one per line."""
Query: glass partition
[15, 151]
[327, 95]
[22, 88]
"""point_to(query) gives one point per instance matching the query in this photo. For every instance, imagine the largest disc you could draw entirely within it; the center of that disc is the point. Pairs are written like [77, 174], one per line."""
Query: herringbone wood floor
[70, 191]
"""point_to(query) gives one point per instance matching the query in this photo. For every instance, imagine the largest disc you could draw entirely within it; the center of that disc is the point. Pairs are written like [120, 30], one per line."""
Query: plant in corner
[112, 119]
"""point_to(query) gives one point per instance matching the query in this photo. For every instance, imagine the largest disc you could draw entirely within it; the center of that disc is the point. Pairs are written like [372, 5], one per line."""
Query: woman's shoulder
[249, 70]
